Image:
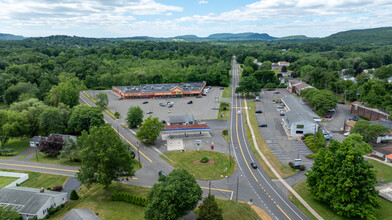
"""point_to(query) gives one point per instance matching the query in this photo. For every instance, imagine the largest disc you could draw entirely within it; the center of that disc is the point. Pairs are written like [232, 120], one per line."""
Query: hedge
[126, 197]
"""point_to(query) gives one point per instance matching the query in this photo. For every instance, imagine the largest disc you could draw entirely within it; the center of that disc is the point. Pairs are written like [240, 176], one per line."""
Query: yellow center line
[223, 190]
[121, 135]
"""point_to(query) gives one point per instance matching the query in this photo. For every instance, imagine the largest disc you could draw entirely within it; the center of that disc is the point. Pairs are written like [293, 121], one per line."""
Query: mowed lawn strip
[38, 180]
[284, 170]
[94, 198]
[226, 92]
[16, 144]
[327, 213]
[383, 171]
[4, 180]
[205, 171]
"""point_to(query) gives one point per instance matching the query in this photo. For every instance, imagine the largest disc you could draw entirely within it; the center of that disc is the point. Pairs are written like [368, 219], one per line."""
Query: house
[181, 120]
[299, 119]
[373, 114]
[283, 63]
[349, 125]
[283, 74]
[351, 78]
[34, 141]
[297, 86]
[387, 137]
[31, 202]
[275, 66]
[390, 79]
[81, 214]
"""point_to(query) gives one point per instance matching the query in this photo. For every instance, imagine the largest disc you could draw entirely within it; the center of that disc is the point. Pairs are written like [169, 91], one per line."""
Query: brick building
[357, 108]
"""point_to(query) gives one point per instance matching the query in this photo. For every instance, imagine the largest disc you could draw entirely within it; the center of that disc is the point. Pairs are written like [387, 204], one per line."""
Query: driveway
[336, 123]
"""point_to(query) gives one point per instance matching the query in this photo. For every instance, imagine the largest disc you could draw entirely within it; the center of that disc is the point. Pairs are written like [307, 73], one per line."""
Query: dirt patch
[200, 163]
[261, 213]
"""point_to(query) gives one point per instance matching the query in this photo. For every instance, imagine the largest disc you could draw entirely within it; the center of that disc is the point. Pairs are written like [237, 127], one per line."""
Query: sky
[169, 18]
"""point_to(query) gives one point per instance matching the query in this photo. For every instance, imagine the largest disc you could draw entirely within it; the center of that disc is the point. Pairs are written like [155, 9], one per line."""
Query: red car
[326, 116]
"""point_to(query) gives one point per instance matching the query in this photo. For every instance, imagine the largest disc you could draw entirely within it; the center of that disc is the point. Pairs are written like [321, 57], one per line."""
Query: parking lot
[275, 136]
[201, 108]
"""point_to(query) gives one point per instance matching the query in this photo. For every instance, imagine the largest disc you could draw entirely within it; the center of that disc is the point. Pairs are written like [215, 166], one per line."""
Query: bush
[308, 134]
[311, 156]
[57, 188]
[225, 132]
[204, 160]
[74, 195]
[128, 198]
[291, 164]
[117, 115]
[302, 167]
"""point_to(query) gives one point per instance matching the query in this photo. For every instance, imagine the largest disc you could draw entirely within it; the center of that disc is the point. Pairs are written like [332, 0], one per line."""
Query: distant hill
[296, 38]
[10, 37]
[240, 36]
[376, 36]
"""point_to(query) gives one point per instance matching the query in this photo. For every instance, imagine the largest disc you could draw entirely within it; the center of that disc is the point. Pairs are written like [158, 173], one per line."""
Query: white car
[239, 112]
[346, 134]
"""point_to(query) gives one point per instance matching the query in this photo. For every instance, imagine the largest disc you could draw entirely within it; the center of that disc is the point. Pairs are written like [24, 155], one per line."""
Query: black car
[121, 98]
[263, 125]
[145, 102]
[163, 122]
[258, 111]
[254, 165]
[161, 172]
[277, 92]
[190, 102]
[199, 96]
[353, 118]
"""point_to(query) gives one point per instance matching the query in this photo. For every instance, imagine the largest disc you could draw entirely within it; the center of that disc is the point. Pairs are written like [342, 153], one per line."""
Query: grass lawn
[202, 172]
[43, 179]
[226, 113]
[324, 211]
[4, 181]
[283, 169]
[382, 171]
[94, 198]
[18, 145]
[43, 158]
[227, 92]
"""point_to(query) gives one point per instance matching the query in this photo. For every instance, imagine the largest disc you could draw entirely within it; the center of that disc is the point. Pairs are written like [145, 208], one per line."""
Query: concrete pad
[189, 135]
[175, 144]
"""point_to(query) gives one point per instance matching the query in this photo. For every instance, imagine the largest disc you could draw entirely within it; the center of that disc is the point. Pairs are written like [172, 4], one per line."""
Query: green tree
[322, 100]
[70, 150]
[9, 212]
[150, 130]
[134, 117]
[84, 117]
[51, 121]
[248, 85]
[209, 209]
[12, 124]
[103, 100]
[266, 76]
[66, 92]
[173, 197]
[22, 89]
[105, 158]
[369, 131]
[51, 145]
[341, 178]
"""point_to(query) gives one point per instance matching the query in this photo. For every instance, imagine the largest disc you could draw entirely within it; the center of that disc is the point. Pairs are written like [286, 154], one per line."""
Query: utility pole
[36, 153]
[229, 152]
[209, 188]
[236, 197]
[138, 153]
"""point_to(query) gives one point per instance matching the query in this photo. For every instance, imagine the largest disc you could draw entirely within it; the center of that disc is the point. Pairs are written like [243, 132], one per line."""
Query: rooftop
[152, 88]
[186, 127]
[384, 123]
[81, 214]
[370, 108]
[298, 111]
[181, 118]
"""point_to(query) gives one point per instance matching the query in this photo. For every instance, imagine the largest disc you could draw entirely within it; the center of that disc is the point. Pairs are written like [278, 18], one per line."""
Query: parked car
[263, 125]
[258, 111]
[324, 132]
[328, 137]
[326, 116]
[282, 113]
[214, 108]
[353, 118]
[162, 173]
[254, 165]
[162, 104]
[199, 96]
[145, 102]
[121, 98]
[221, 88]
[280, 106]
[149, 112]
[190, 102]
[346, 133]
[170, 105]
[277, 92]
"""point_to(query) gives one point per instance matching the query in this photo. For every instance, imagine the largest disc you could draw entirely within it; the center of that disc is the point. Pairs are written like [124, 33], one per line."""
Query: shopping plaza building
[174, 90]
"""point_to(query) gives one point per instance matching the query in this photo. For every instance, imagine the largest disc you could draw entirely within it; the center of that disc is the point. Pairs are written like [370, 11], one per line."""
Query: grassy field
[94, 198]
[324, 211]
[4, 181]
[283, 169]
[382, 171]
[202, 172]
[43, 179]
[227, 92]
[18, 145]
[226, 113]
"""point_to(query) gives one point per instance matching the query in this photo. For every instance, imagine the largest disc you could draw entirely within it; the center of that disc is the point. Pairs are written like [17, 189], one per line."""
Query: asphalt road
[266, 194]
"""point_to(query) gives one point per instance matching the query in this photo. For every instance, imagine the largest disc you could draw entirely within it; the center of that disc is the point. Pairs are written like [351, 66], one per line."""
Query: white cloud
[203, 2]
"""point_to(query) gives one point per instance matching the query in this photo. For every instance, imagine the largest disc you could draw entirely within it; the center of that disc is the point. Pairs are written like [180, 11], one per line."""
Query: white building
[31, 202]
[299, 119]
[386, 137]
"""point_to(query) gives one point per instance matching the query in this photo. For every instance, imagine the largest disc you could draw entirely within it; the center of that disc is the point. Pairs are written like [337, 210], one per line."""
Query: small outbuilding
[81, 214]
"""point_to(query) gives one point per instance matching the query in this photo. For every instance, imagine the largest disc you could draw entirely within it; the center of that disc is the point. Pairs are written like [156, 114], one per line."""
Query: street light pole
[229, 152]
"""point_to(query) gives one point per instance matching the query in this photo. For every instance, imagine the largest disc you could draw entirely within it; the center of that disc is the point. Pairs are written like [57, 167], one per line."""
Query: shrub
[57, 188]
[204, 160]
[225, 132]
[311, 156]
[117, 115]
[128, 198]
[74, 195]
[302, 167]
[291, 164]
[307, 134]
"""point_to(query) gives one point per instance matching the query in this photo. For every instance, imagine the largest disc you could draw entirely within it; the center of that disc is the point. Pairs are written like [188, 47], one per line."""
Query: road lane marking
[223, 190]
[121, 134]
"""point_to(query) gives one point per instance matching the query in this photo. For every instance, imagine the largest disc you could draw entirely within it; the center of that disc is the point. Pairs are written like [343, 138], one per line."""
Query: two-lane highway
[269, 195]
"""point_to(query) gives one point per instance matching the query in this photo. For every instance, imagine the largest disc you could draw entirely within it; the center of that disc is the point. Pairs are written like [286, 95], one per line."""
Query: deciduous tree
[173, 197]
[369, 131]
[105, 158]
[209, 209]
[51, 145]
[51, 121]
[84, 117]
[9, 212]
[150, 130]
[134, 117]
[103, 100]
